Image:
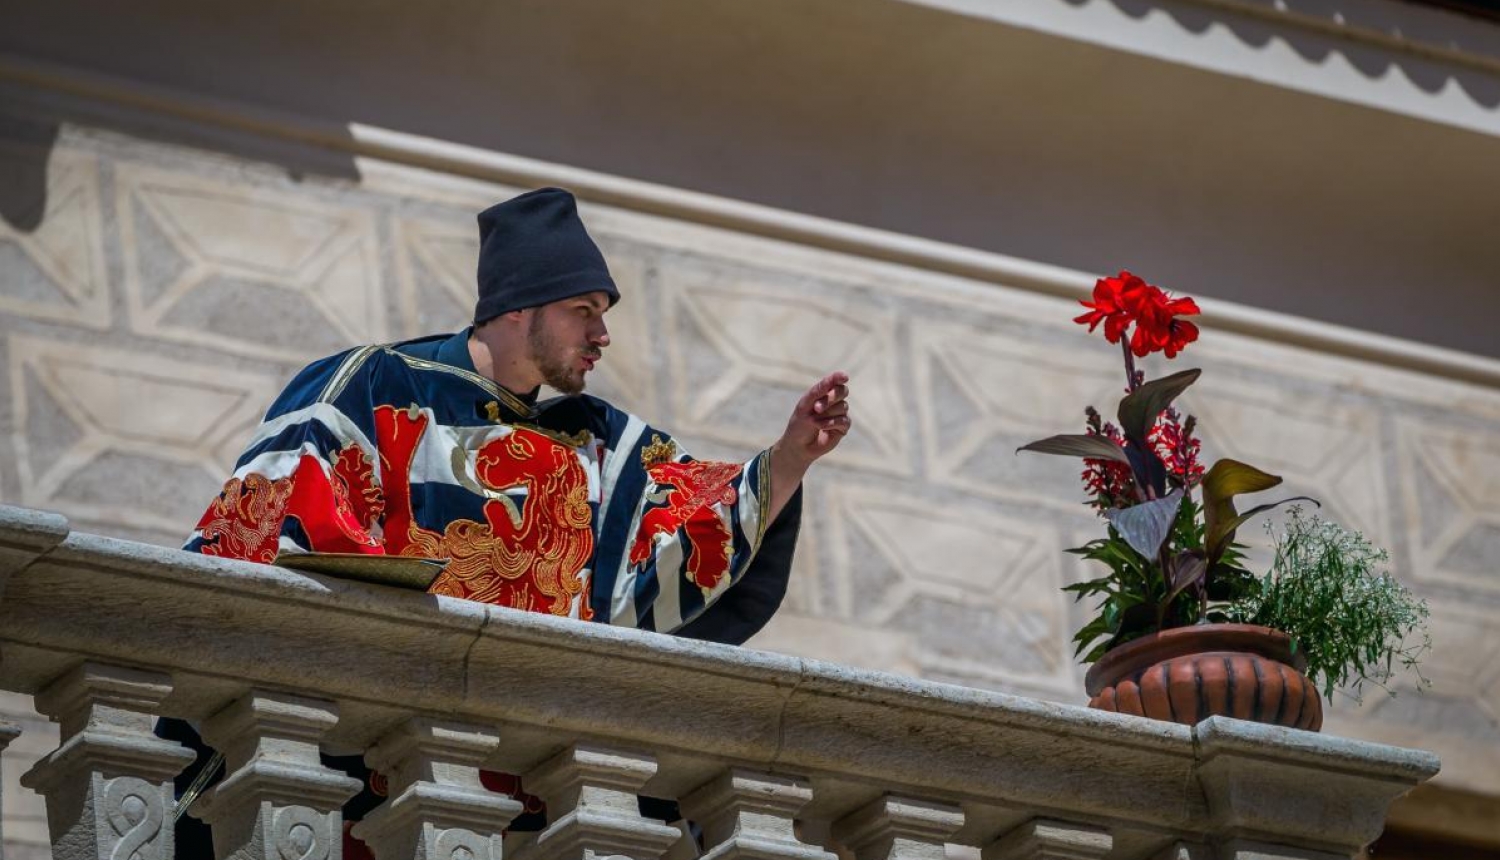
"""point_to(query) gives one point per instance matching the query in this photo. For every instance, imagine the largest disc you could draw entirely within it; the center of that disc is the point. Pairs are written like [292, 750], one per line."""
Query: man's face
[566, 338]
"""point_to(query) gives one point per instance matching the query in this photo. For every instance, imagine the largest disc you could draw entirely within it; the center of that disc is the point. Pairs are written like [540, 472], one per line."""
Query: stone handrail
[274, 663]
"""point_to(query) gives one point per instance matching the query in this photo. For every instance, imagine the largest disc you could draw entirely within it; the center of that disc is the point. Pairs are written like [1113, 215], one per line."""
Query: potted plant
[1183, 630]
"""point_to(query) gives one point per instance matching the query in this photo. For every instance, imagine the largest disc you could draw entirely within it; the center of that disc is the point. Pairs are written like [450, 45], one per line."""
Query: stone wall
[153, 299]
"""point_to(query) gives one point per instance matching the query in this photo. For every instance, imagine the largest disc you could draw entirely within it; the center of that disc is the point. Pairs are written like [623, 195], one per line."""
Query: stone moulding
[221, 628]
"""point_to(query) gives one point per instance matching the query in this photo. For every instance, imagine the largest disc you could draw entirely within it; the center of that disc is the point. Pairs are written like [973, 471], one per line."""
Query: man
[437, 447]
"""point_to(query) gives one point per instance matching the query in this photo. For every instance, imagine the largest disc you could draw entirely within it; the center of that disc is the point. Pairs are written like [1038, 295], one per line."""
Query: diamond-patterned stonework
[125, 437]
[55, 272]
[266, 275]
[1452, 502]
[770, 338]
[163, 296]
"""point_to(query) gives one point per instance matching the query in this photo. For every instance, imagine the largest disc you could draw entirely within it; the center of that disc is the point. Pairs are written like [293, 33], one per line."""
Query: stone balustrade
[769, 756]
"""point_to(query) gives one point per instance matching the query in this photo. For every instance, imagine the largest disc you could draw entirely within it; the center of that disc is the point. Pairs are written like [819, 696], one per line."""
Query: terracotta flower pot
[1188, 674]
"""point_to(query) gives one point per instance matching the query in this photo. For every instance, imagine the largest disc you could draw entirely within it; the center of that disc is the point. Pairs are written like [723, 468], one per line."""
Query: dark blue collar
[454, 351]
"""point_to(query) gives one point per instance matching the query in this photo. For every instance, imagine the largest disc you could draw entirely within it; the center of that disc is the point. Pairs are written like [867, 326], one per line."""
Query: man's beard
[551, 360]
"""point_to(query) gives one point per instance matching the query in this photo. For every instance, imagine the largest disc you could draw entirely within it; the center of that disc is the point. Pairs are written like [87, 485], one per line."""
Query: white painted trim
[112, 98]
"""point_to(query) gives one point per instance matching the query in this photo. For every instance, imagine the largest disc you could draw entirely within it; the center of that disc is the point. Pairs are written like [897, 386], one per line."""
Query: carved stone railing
[769, 756]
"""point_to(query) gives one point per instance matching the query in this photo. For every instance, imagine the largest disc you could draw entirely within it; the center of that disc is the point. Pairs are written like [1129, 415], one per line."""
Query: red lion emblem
[693, 488]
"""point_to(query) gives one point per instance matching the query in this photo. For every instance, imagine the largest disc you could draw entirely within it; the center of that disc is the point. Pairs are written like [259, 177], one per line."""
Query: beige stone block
[1450, 494]
[970, 587]
[58, 270]
[305, 281]
[1320, 445]
[120, 436]
[745, 344]
[979, 396]
[835, 641]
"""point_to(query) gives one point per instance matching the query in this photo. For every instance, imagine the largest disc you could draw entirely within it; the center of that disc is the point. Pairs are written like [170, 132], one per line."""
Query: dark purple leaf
[1187, 569]
[1078, 445]
[1145, 526]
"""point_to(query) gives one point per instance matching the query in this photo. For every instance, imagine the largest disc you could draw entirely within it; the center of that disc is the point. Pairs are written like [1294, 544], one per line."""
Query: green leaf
[1140, 407]
[1078, 445]
[1227, 479]
[1145, 526]
[1093, 630]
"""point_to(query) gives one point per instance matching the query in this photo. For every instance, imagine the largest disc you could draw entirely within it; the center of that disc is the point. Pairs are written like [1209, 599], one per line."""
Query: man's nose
[601, 337]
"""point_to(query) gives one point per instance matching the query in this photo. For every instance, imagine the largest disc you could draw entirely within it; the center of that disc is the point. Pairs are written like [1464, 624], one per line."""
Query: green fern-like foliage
[1328, 589]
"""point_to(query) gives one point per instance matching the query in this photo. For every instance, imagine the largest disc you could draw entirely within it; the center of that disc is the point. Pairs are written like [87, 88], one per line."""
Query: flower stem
[1130, 382]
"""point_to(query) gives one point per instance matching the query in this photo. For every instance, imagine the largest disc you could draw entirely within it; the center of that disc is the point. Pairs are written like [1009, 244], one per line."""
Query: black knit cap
[533, 250]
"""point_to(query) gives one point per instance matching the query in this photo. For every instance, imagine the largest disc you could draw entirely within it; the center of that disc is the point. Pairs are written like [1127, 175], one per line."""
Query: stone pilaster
[108, 786]
[278, 800]
[591, 800]
[1046, 839]
[899, 828]
[437, 810]
[1319, 797]
[749, 814]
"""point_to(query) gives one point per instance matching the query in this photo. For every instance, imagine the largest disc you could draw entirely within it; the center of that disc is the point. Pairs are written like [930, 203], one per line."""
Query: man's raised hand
[819, 421]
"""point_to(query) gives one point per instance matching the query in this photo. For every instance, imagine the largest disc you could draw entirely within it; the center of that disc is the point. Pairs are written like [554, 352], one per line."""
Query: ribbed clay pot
[1187, 674]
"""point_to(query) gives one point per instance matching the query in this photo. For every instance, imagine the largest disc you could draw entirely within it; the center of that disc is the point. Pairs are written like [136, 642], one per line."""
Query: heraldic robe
[569, 506]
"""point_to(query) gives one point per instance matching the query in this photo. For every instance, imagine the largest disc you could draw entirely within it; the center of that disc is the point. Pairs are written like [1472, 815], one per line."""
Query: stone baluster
[899, 828]
[278, 801]
[749, 814]
[591, 799]
[8, 733]
[1046, 839]
[438, 809]
[1184, 851]
[1250, 849]
[108, 785]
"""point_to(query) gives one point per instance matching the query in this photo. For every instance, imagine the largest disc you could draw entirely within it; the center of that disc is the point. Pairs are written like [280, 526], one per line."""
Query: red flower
[1157, 328]
[1173, 441]
[1126, 300]
[1110, 483]
[1114, 305]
